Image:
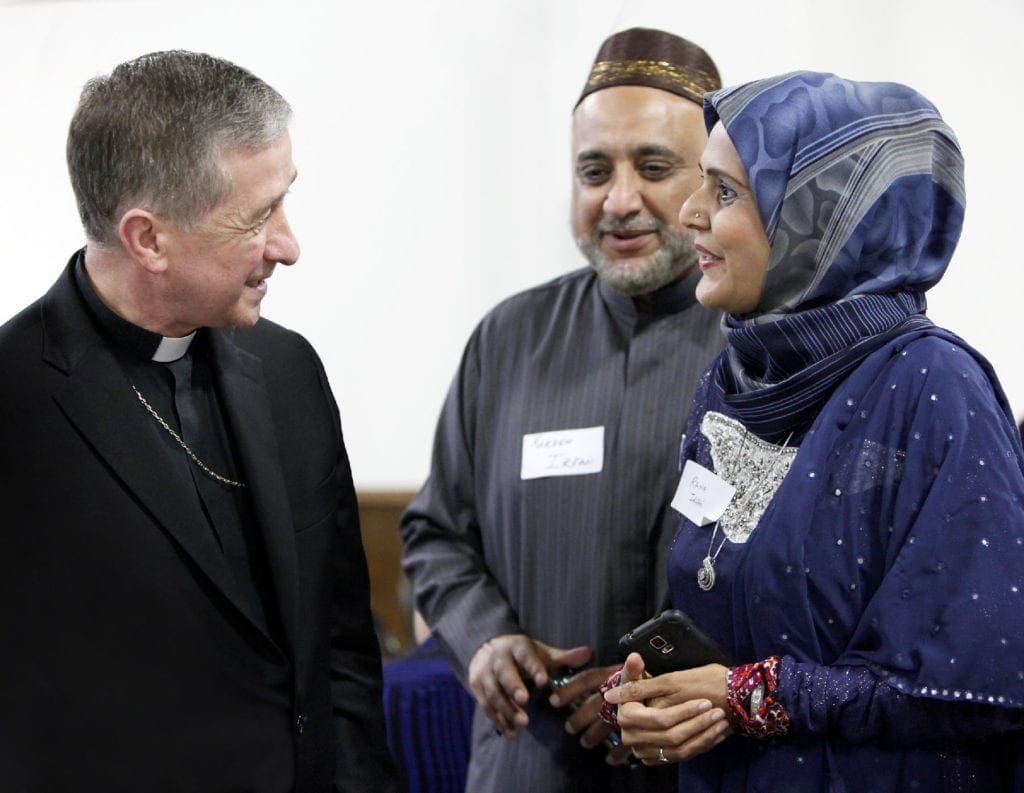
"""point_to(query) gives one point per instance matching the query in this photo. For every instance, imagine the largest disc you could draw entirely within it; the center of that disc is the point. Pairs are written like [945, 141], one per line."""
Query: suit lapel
[98, 400]
[242, 389]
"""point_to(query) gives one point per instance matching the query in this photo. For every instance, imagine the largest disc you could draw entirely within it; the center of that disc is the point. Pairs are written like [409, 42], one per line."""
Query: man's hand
[585, 720]
[496, 674]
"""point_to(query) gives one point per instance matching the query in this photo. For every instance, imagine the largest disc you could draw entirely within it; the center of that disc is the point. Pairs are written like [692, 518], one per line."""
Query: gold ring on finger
[661, 755]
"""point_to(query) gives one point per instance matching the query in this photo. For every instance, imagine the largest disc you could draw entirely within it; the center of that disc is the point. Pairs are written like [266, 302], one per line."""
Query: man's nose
[282, 247]
[624, 196]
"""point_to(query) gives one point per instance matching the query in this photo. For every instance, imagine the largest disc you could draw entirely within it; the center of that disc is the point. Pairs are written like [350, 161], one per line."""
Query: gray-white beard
[667, 264]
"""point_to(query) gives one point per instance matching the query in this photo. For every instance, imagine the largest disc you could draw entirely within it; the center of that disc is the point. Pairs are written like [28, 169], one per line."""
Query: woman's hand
[673, 717]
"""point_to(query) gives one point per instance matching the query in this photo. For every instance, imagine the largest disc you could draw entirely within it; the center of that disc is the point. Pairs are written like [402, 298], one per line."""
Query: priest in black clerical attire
[184, 601]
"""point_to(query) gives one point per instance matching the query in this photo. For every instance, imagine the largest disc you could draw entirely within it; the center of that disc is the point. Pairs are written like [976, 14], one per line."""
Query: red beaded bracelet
[750, 696]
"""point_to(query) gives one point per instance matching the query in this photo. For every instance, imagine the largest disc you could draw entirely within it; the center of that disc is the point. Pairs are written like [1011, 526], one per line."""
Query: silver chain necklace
[706, 573]
[202, 466]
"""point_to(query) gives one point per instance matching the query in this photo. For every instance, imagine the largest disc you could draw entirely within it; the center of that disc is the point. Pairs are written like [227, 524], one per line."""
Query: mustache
[629, 225]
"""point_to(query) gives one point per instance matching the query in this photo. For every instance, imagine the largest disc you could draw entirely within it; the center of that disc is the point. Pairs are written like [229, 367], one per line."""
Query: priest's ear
[142, 237]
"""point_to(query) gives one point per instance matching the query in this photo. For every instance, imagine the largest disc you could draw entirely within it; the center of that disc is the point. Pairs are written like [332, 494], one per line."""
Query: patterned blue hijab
[861, 190]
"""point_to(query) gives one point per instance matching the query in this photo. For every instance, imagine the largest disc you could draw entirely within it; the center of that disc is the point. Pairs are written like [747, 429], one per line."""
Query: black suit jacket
[127, 659]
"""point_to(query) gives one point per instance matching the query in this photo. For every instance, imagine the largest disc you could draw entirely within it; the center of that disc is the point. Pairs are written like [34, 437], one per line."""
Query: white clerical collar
[171, 349]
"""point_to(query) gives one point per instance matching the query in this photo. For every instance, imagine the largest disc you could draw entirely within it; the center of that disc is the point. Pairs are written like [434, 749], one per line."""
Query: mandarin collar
[145, 344]
[670, 299]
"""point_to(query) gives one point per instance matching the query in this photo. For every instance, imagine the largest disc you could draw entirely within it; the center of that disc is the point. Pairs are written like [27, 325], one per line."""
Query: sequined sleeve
[852, 703]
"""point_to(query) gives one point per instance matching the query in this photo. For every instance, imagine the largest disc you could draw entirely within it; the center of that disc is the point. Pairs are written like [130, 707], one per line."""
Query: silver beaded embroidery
[754, 467]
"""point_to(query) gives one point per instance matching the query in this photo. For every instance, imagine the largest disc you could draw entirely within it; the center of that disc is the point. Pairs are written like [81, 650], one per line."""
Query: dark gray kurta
[574, 560]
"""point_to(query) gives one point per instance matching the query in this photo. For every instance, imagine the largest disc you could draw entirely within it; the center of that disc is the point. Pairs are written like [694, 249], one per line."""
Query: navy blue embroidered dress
[884, 563]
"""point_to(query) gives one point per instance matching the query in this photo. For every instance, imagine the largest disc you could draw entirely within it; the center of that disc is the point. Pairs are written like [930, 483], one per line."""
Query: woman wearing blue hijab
[868, 572]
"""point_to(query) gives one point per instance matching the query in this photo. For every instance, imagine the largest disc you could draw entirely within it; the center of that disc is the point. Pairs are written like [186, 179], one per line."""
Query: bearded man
[540, 536]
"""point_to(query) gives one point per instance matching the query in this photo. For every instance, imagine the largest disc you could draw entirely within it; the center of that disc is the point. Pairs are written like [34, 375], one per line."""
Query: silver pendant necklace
[706, 573]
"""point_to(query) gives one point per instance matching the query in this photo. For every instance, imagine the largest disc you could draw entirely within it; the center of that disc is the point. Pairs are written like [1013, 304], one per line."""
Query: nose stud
[696, 215]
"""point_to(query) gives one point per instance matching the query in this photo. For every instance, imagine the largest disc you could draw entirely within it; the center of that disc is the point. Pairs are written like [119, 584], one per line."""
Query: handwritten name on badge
[563, 453]
[702, 495]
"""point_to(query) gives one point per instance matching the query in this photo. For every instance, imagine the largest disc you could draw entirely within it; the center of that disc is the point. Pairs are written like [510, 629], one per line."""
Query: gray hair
[152, 133]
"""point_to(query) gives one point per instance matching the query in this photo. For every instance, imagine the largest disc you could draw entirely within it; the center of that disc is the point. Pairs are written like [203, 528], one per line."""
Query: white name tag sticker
[563, 453]
[702, 495]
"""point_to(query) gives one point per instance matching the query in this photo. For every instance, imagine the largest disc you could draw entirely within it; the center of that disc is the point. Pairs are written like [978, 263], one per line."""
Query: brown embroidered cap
[656, 59]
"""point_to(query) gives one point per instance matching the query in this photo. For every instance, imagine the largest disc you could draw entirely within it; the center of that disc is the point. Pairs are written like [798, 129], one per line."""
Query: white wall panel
[432, 145]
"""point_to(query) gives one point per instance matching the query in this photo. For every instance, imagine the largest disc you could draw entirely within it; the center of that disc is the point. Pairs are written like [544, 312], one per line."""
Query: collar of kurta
[145, 344]
[670, 299]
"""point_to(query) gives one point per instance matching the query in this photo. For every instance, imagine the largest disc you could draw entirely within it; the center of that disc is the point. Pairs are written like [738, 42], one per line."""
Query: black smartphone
[672, 641]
